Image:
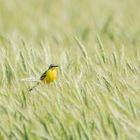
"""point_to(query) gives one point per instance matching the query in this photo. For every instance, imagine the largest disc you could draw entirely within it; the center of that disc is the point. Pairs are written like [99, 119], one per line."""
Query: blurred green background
[44, 19]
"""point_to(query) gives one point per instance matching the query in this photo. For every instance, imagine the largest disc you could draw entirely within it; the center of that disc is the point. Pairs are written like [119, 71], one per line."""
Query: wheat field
[97, 46]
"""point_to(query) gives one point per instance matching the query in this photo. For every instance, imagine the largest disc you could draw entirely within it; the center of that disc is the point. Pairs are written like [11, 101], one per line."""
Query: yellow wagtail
[48, 76]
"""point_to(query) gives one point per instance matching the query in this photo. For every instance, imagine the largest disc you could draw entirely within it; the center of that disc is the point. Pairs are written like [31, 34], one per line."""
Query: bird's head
[53, 66]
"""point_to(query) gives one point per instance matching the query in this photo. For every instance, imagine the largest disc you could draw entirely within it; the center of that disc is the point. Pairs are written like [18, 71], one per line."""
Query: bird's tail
[34, 86]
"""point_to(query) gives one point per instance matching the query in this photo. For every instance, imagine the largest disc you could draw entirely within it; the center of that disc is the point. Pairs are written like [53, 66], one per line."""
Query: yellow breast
[51, 76]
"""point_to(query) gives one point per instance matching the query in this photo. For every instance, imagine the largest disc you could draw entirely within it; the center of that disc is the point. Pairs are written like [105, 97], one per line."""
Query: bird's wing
[43, 75]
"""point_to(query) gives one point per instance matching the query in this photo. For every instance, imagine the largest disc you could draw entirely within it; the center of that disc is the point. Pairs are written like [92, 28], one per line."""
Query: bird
[48, 76]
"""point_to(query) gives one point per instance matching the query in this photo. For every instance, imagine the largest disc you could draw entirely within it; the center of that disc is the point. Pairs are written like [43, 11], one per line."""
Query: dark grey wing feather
[43, 75]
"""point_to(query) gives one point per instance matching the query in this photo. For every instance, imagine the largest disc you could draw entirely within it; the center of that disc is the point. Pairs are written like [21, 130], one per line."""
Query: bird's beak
[56, 66]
